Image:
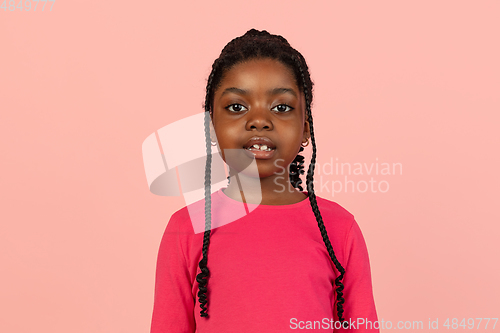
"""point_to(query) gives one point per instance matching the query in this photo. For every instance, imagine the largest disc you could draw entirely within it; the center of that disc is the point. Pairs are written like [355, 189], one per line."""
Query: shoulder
[333, 210]
[338, 221]
[344, 231]
[180, 221]
[190, 219]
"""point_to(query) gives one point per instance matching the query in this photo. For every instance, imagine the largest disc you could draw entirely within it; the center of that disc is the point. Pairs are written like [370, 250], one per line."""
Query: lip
[260, 140]
[259, 154]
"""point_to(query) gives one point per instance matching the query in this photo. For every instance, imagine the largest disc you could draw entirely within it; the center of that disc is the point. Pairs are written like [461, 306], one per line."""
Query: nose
[259, 118]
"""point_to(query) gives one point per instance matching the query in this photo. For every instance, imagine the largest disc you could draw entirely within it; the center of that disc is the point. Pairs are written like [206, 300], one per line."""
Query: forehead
[259, 72]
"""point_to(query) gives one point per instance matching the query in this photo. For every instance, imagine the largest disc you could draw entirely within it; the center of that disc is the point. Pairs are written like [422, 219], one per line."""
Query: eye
[282, 108]
[235, 107]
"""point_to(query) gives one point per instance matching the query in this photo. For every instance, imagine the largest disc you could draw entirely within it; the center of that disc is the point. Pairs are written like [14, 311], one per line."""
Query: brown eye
[283, 108]
[235, 107]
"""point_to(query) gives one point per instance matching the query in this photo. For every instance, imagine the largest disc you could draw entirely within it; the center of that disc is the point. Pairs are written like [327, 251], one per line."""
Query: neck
[272, 190]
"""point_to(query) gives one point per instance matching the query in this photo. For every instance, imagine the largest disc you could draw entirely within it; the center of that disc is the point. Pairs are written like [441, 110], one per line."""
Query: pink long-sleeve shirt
[269, 270]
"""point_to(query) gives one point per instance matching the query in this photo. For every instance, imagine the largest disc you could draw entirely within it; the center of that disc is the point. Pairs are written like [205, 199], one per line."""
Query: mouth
[261, 152]
[259, 147]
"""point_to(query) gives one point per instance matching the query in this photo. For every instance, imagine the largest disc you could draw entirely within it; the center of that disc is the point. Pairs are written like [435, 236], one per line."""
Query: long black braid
[202, 278]
[314, 204]
[256, 44]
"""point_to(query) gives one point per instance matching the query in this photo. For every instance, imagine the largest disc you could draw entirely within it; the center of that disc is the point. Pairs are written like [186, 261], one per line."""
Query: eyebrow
[275, 91]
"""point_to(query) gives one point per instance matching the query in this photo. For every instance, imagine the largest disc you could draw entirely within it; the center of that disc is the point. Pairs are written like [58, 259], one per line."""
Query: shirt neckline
[231, 201]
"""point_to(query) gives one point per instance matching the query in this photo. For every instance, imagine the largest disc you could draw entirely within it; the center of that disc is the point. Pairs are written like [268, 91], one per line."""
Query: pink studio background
[83, 85]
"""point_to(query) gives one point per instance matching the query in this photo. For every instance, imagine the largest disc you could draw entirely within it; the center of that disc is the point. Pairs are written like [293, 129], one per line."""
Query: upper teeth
[263, 147]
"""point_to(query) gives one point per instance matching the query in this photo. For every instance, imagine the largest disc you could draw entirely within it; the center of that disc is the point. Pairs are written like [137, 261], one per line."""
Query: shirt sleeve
[359, 306]
[173, 309]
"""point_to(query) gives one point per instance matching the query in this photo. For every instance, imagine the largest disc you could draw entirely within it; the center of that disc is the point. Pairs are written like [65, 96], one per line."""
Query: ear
[307, 132]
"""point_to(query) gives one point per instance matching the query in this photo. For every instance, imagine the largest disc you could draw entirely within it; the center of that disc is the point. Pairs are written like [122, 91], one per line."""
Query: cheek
[295, 134]
[227, 135]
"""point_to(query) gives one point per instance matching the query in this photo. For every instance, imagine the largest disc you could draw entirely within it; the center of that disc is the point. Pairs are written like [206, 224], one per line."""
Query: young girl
[292, 260]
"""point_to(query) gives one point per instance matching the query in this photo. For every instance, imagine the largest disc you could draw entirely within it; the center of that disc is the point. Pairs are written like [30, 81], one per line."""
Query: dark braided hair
[256, 44]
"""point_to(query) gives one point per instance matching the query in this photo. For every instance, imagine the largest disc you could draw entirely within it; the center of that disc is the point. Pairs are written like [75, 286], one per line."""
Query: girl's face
[259, 98]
